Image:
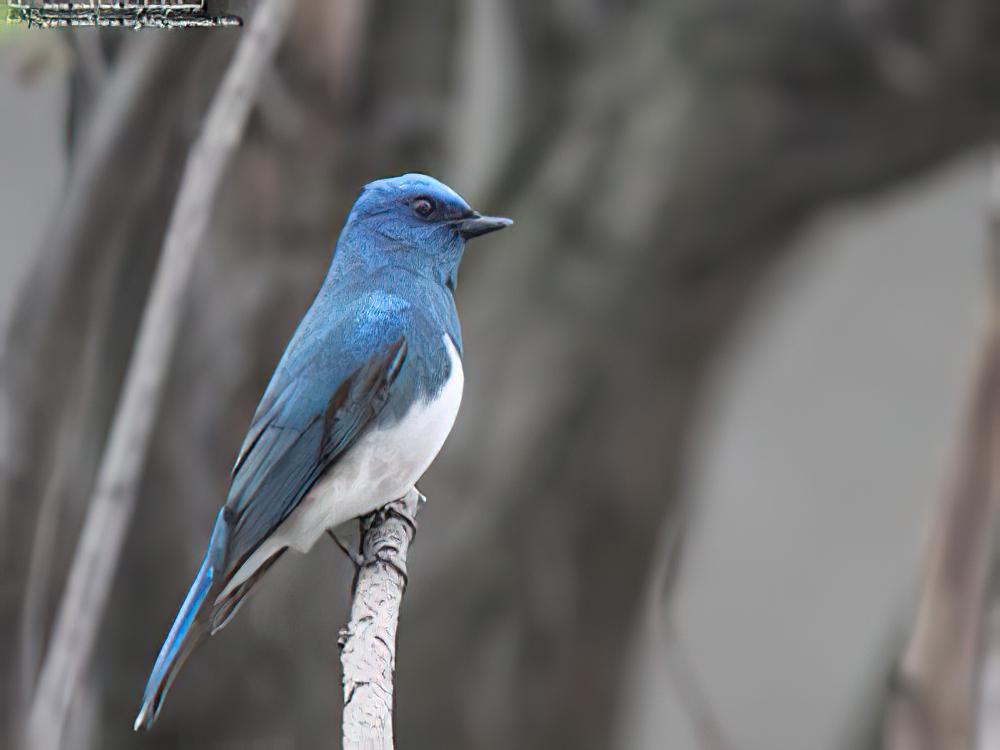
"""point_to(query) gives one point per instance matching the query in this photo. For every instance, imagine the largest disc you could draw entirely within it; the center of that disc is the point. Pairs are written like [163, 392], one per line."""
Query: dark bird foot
[410, 522]
[361, 561]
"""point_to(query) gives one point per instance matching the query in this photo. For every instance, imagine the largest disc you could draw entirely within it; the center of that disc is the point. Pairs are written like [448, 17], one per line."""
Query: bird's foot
[363, 561]
[408, 520]
[382, 557]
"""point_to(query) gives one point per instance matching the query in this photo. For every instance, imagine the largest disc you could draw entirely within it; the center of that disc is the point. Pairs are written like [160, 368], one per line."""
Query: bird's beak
[477, 224]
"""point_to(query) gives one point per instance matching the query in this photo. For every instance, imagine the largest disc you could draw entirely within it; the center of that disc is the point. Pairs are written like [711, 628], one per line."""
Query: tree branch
[933, 703]
[368, 643]
[114, 496]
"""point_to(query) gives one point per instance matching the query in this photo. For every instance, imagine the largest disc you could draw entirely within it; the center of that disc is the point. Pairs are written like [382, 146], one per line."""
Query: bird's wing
[319, 401]
[305, 422]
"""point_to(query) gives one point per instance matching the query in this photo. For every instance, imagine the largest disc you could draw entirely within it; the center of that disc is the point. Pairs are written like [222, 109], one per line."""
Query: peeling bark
[368, 643]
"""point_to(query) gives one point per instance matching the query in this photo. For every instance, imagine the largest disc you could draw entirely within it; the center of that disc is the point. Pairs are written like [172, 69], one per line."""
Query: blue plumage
[369, 367]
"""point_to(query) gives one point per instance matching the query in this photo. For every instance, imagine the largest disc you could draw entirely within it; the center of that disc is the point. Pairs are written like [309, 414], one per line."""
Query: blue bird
[357, 409]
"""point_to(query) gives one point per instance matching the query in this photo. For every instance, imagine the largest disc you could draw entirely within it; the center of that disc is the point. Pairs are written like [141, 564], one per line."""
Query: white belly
[381, 467]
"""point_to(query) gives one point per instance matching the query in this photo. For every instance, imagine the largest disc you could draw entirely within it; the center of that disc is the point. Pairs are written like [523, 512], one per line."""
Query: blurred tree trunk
[72, 330]
[656, 157]
[936, 692]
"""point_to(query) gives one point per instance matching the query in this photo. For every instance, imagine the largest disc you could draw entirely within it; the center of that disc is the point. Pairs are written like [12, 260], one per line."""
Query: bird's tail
[190, 626]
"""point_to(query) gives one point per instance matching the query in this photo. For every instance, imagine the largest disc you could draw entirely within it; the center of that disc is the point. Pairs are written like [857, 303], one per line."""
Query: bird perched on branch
[357, 409]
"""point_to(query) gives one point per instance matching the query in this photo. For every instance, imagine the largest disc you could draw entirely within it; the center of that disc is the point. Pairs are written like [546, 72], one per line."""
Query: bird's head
[413, 221]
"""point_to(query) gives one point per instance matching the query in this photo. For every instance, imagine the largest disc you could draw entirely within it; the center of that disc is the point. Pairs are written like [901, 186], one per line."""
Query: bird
[359, 406]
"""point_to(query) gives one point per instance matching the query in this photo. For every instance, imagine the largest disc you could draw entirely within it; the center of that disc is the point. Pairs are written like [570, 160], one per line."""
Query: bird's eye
[423, 207]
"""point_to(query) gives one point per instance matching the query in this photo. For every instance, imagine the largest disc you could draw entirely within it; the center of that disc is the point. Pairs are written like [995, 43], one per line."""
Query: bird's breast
[385, 462]
[381, 466]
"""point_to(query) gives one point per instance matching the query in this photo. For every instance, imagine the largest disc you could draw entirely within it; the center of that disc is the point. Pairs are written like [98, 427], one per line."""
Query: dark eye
[423, 207]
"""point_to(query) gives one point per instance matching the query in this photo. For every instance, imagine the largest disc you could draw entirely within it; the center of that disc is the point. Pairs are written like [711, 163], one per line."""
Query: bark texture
[368, 642]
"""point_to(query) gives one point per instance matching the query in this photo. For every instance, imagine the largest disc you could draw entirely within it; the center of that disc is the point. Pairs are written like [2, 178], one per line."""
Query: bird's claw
[410, 522]
[364, 561]
[380, 558]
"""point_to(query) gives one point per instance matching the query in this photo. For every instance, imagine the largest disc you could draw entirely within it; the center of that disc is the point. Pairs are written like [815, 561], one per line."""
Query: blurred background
[716, 375]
